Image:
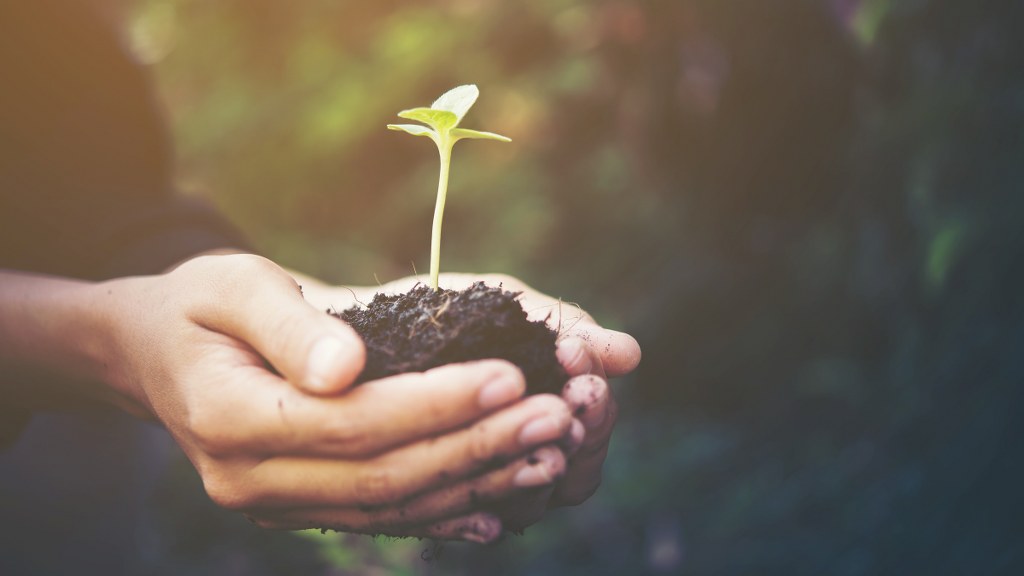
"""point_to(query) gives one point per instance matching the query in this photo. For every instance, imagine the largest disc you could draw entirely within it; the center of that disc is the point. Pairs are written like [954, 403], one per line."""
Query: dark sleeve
[86, 185]
[86, 167]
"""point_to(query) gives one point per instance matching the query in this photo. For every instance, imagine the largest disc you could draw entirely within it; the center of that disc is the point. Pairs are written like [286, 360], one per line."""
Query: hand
[252, 382]
[589, 354]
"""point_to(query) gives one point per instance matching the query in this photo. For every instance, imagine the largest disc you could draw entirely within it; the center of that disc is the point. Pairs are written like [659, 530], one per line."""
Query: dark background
[808, 212]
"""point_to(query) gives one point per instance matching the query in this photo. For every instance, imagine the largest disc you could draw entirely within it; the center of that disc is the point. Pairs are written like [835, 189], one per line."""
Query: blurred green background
[808, 212]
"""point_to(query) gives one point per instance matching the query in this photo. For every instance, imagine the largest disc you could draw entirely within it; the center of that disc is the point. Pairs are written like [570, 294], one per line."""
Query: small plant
[429, 326]
[442, 120]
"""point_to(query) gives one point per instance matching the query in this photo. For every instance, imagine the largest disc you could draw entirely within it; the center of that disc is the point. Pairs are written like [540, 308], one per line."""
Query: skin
[253, 381]
[590, 355]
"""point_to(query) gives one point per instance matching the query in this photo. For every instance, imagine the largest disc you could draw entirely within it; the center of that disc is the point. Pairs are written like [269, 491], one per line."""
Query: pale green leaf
[459, 133]
[414, 129]
[439, 120]
[458, 100]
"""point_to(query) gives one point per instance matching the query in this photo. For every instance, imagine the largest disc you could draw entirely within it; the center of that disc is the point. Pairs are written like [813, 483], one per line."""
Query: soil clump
[422, 329]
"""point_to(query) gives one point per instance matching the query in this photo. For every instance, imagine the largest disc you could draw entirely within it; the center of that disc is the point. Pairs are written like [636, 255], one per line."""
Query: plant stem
[444, 148]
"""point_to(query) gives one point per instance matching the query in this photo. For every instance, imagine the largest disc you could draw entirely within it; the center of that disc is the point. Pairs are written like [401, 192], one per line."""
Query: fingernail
[577, 433]
[594, 408]
[543, 429]
[501, 391]
[322, 360]
[532, 476]
[572, 355]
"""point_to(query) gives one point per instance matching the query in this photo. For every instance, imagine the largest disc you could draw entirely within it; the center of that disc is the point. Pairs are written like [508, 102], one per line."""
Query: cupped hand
[615, 353]
[589, 353]
[253, 383]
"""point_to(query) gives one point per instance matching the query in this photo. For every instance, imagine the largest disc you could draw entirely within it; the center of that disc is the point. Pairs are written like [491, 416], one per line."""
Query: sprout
[442, 121]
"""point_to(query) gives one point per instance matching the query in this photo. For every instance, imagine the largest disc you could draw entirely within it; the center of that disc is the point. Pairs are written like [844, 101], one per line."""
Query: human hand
[589, 353]
[252, 382]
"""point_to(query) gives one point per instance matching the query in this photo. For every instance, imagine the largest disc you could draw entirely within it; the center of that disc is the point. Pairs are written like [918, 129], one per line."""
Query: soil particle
[423, 329]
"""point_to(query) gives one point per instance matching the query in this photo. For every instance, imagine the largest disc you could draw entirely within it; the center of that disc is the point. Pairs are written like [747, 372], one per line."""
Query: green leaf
[460, 133]
[439, 120]
[414, 129]
[443, 117]
[458, 100]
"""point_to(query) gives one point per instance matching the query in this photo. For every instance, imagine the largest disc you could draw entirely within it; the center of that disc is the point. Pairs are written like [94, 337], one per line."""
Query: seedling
[442, 120]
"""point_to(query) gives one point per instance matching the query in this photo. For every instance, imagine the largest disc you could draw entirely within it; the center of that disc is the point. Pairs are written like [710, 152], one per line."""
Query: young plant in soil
[430, 326]
[442, 126]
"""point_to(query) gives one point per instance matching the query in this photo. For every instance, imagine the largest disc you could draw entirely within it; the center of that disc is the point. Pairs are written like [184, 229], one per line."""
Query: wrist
[57, 333]
[109, 328]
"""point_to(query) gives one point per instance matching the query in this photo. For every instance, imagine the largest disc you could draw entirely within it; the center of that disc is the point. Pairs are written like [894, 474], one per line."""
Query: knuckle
[433, 409]
[199, 264]
[286, 333]
[376, 486]
[480, 444]
[579, 363]
[347, 434]
[244, 265]
[225, 492]
[238, 271]
[210, 433]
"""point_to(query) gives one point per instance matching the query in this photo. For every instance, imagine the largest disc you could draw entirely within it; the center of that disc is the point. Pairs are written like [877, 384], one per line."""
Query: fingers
[257, 302]
[481, 527]
[524, 509]
[582, 479]
[588, 397]
[412, 406]
[538, 470]
[401, 473]
[524, 476]
[269, 417]
[577, 358]
[577, 434]
[592, 403]
[618, 352]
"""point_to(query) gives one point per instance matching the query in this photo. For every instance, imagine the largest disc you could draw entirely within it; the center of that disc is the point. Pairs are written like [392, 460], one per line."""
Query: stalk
[444, 149]
[442, 121]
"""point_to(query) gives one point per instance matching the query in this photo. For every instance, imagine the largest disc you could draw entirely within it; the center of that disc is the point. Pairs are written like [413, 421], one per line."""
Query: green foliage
[442, 120]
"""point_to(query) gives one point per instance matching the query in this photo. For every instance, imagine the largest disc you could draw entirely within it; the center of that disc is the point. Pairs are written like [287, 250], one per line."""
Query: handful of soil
[423, 329]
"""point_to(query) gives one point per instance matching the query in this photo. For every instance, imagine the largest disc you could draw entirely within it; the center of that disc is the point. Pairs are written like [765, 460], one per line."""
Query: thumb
[314, 351]
[327, 361]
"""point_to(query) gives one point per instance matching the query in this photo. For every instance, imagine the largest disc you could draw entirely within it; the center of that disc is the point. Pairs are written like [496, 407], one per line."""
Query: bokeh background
[808, 212]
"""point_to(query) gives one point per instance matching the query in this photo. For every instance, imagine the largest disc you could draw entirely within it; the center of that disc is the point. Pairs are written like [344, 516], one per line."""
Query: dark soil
[423, 329]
